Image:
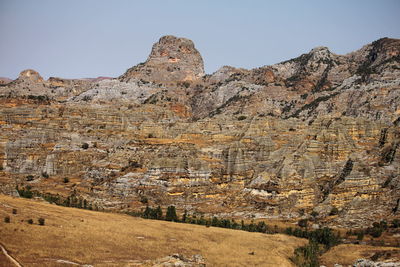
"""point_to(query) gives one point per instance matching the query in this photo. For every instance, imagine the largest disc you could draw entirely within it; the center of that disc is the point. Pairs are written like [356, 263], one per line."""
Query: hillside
[108, 239]
[317, 134]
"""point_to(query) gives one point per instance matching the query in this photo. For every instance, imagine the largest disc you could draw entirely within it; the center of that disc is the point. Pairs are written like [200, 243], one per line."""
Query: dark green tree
[171, 214]
[262, 227]
[184, 216]
[158, 213]
[215, 221]
[146, 213]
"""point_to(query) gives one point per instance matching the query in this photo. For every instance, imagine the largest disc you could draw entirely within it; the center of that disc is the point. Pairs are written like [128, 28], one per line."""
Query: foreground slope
[104, 239]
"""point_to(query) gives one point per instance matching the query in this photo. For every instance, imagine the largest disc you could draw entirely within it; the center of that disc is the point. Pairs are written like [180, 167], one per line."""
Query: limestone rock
[30, 75]
[315, 133]
[171, 59]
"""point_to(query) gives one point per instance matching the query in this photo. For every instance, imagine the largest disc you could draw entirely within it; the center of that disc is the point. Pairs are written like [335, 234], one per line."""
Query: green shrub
[334, 211]
[7, 219]
[307, 256]
[41, 221]
[25, 192]
[30, 221]
[66, 180]
[314, 214]
[85, 145]
[303, 223]
[14, 211]
[360, 235]
[242, 117]
[375, 232]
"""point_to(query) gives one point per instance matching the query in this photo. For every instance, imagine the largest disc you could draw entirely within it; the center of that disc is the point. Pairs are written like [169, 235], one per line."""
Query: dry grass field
[347, 254]
[107, 239]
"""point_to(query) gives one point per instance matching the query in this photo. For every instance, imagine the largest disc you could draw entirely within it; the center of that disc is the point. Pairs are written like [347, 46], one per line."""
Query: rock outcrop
[171, 59]
[316, 133]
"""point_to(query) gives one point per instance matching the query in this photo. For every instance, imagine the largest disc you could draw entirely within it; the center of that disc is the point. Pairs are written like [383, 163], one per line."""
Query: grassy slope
[89, 237]
[347, 254]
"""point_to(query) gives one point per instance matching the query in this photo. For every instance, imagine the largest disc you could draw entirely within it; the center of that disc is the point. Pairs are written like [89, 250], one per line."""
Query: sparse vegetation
[303, 223]
[307, 256]
[25, 192]
[7, 219]
[314, 214]
[320, 240]
[85, 145]
[334, 211]
[14, 211]
[148, 239]
[65, 180]
[30, 221]
[144, 200]
[377, 229]
[41, 221]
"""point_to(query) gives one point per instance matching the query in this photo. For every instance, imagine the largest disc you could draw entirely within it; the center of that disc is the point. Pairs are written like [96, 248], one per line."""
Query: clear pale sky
[90, 38]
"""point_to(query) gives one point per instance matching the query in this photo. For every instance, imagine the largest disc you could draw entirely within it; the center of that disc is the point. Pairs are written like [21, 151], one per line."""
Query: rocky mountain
[319, 132]
[171, 60]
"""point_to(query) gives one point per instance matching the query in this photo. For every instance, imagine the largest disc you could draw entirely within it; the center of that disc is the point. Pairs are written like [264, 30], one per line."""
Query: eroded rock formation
[316, 133]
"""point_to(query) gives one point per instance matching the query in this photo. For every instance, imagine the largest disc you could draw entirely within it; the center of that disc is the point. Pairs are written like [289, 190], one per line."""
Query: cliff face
[314, 133]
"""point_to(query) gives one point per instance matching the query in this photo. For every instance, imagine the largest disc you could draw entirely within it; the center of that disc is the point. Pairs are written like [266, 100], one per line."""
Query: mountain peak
[172, 59]
[320, 52]
[31, 75]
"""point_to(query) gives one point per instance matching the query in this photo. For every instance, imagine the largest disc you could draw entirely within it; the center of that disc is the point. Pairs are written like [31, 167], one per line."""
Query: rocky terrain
[319, 132]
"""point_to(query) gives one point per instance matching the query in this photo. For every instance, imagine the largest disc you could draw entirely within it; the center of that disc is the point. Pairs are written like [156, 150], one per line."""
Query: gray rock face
[369, 263]
[314, 133]
[171, 59]
[132, 92]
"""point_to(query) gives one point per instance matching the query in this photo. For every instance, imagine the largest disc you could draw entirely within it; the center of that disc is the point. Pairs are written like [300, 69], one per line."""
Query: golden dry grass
[107, 239]
[347, 254]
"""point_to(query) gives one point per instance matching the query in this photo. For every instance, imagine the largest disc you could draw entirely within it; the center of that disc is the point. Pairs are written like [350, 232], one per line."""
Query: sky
[91, 38]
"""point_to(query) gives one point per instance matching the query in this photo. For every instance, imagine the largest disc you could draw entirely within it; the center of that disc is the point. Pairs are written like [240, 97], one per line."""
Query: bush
[144, 200]
[14, 211]
[25, 192]
[325, 236]
[360, 235]
[314, 214]
[29, 178]
[66, 180]
[396, 223]
[307, 255]
[334, 211]
[7, 219]
[45, 175]
[41, 221]
[303, 223]
[240, 118]
[375, 232]
[85, 145]
[30, 221]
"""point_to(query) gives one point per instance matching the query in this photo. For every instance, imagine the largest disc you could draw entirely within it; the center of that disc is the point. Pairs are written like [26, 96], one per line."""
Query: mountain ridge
[316, 133]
